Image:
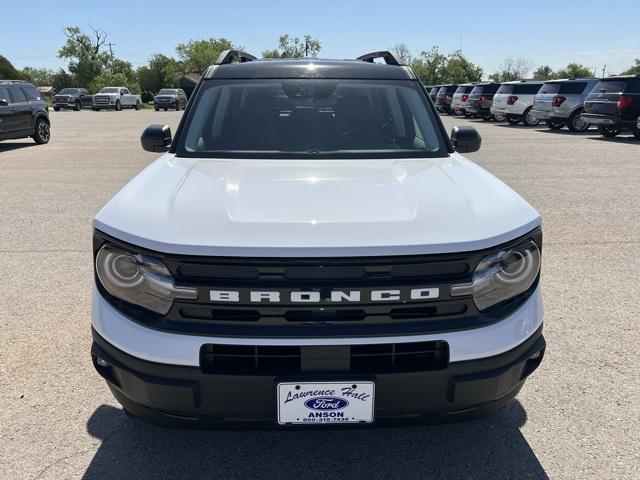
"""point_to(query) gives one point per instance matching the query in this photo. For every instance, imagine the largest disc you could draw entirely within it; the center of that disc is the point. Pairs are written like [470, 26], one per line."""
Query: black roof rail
[390, 58]
[228, 56]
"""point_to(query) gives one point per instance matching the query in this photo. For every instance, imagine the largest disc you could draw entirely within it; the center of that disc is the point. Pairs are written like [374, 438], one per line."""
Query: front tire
[177, 106]
[118, 106]
[156, 108]
[576, 123]
[499, 118]
[555, 124]
[76, 107]
[42, 131]
[137, 107]
[608, 131]
[513, 120]
[529, 119]
[56, 109]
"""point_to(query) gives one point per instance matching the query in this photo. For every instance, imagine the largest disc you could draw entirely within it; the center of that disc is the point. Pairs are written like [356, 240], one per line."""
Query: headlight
[139, 279]
[503, 275]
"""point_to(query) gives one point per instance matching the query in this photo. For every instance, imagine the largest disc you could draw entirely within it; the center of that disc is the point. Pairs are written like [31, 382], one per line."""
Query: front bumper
[185, 396]
[157, 375]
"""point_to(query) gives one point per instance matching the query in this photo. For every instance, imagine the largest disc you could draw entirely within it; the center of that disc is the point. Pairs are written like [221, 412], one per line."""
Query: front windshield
[311, 118]
[69, 91]
[109, 90]
[167, 91]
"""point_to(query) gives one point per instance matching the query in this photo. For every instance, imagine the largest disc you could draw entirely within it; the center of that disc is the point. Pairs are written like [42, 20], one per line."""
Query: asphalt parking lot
[577, 417]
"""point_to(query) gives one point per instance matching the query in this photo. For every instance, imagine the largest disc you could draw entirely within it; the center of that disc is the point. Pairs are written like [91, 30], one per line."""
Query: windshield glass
[69, 91]
[464, 89]
[311, 118]
[167, 91]
[109, 90]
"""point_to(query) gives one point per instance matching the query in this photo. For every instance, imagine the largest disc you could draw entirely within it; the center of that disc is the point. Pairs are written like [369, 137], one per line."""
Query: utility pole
[306, 48]
[604, 69]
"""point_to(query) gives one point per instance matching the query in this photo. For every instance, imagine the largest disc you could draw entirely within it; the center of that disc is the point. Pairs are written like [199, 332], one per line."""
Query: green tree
[196, 55]
[8, 71]
[635, 69]
[575, 70]
[109, 79]
[544, 72]
[294, 47]
[62, 79]
[85, 53]
[460, 70]
[158, 73]
[39, 76]
[430, 66]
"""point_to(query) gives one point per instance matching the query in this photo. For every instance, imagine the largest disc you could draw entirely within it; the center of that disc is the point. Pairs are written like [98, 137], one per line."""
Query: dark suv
[75, 98]
[480, 100]
[22, 112]
[614, 105]
[444, 98]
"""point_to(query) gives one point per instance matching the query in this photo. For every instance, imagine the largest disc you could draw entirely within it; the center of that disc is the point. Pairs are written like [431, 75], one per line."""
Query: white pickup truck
[116, 98]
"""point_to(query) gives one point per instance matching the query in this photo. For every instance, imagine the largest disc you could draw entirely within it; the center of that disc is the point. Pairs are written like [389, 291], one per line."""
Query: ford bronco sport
[312, 248]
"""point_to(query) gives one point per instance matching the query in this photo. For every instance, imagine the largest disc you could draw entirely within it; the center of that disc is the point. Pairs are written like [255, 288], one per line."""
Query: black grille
[286, 318]
[360, 359]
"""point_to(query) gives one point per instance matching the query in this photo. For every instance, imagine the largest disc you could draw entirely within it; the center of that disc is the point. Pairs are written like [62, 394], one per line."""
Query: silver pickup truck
[116, 98]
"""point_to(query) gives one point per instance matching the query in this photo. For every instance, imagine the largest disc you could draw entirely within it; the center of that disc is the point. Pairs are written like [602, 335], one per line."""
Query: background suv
[444, 97]
[514, 100]
[170, 98]
[614, 105]
[460, 97]
[75, 98]
[22, 112]
[560, 103]
[481, 98]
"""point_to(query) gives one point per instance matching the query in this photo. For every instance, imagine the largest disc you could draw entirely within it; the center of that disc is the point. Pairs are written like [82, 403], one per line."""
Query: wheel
[555, 124]
[499, 118]
[487, 116]
[468, 115]
[57, 109]
[576, 123]
[513, 120]
[608, 131]
[156, 108]
[165, 109]
[118, 106]
[177, 106]
[95, 109]
[137, 107]
[42, 132]
[76, 107]
[636, 130]
[529, 118]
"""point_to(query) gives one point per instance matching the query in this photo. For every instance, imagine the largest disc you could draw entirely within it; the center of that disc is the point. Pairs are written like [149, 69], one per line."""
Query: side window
[31, 93]
[4, 94]
[17, 95]
[125, 91]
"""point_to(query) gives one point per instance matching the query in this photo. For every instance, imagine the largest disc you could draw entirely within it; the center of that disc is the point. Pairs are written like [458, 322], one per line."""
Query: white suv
[514, 100]
[312, 248]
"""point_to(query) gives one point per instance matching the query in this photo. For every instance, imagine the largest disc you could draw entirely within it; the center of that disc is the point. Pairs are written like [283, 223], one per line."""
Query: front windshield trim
[440, 137]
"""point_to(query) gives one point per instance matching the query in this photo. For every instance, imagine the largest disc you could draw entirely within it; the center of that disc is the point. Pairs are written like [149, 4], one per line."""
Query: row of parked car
[612, 104]
[116, 98]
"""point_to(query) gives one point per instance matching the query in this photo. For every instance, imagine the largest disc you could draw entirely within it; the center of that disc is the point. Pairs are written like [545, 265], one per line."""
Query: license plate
[315, 403]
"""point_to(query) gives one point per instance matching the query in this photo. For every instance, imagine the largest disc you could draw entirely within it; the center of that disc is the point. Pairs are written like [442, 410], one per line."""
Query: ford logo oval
[326, 403]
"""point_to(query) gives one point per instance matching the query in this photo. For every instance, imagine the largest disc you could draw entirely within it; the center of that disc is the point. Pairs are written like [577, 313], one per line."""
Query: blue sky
[546, 32]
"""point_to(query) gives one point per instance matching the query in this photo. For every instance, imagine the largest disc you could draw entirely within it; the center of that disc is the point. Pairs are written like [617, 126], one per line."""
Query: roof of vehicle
[483, 84]
[516, 82]
[619, 77]
[11, 82]
[571, 79]
[309, 68]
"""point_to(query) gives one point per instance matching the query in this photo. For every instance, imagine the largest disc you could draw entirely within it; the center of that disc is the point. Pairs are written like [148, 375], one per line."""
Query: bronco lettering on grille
[333, 296]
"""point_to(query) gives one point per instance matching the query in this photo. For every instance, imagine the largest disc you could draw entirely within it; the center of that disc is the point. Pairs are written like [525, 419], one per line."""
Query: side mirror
[156, 138]
[3, 102]
[465, 139]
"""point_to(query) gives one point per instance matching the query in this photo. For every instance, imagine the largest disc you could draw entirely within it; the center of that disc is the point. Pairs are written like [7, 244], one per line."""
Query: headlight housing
[139, 279]
[502, 275]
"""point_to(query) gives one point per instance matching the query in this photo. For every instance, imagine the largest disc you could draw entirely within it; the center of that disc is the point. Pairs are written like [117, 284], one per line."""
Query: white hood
[318, 208]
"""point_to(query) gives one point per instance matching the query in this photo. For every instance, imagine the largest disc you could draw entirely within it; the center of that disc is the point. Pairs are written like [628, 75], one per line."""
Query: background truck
[116, 98]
